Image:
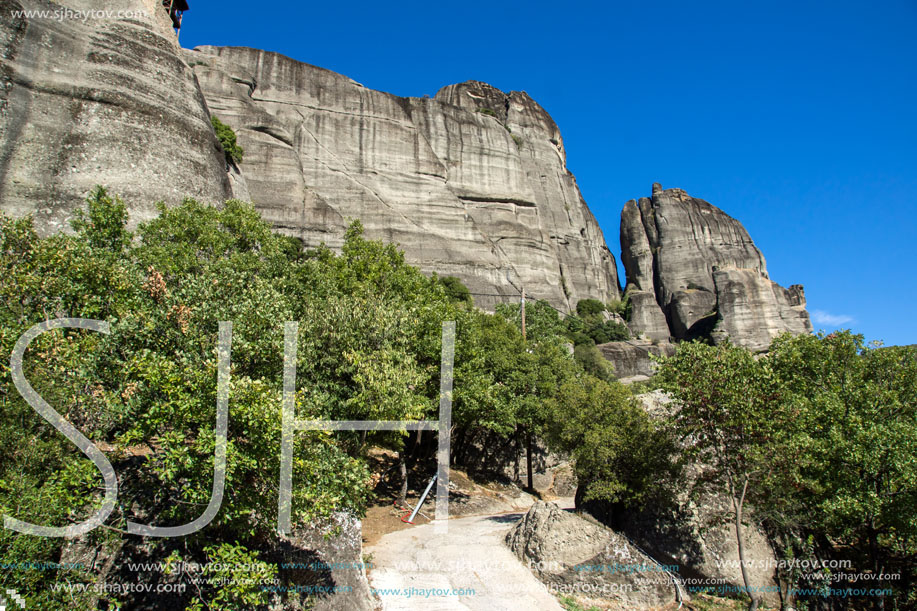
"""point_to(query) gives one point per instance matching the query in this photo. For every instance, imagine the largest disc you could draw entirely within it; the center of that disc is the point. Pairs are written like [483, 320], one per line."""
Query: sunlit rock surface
[694, 272]
[471, 183]
[103, 99]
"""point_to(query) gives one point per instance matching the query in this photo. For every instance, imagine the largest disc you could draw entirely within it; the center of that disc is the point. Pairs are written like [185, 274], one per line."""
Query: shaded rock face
[100, 101]
[691, 534]
[693, 271]
[486, 454]
[632, 359]
[337, 544]
[564, 549]
[472, 183]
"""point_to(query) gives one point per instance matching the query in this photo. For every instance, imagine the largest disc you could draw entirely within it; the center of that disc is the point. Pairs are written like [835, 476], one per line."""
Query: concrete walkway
[467, 568]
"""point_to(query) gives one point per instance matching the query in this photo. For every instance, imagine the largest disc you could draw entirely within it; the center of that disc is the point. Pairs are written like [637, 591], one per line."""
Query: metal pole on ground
[423, 497]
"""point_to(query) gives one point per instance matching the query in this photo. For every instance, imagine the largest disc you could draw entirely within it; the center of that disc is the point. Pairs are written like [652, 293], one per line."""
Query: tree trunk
[737, 506]
[528, 459]
[876, 564]
[417, 452]
[516, 449]
[403, 471]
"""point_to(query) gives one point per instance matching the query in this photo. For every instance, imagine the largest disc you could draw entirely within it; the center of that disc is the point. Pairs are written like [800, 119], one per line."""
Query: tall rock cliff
[99, 98]
[693, 271]
[472, 183]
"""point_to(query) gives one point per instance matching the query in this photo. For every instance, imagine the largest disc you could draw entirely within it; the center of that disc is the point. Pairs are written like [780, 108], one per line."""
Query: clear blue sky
[797, 118]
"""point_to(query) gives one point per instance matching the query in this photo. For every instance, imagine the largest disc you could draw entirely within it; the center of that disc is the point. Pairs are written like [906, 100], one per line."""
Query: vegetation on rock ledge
[227, 138]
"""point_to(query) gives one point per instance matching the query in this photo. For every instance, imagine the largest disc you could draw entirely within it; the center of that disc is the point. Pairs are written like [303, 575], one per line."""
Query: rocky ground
[478, 495]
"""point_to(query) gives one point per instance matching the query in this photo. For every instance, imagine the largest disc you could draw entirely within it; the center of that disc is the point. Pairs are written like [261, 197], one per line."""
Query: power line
[528, 298]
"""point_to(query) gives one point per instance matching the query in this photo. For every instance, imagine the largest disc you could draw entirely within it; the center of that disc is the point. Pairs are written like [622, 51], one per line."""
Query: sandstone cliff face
[693, 271]
[106, 100]
[752, 310]
[472, 183]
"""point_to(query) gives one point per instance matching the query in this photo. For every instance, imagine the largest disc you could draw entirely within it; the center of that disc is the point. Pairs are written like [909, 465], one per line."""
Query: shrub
[608, 331]
[592, 361]
[103, 222]
[617, 306]
[227, 138]
[581, 339]
[621, 455]
[589, 307]
[456, 290]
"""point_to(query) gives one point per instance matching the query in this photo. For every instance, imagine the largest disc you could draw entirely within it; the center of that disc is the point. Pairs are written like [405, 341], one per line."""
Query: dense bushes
[455, 290]
[584, 330]
[589, 324]
[621, 456]
[148, 388]
[369, 348]
[819, 437]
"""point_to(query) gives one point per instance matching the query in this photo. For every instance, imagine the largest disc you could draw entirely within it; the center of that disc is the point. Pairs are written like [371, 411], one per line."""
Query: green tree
[729, 420]
[621, 455]
[369, 348]
[456, 290]
[589, 308]
[591, 360]
[607, 331]
[818, 435]
[104, 222]
[852, 474]
[542, 321]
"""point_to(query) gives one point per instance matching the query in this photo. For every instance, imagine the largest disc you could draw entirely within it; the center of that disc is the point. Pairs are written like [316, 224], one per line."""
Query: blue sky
[799, 119]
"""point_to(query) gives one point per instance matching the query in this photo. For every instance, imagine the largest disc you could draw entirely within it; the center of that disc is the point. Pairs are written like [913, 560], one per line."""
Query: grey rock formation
[755, 310]
[646, 318]
[103, 100]
[336, 543]
[693, 271]
[582, 556]
[472, 183]
[632, 359]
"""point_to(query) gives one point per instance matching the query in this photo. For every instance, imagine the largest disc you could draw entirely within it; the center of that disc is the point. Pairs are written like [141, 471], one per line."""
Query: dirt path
[467, 568]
